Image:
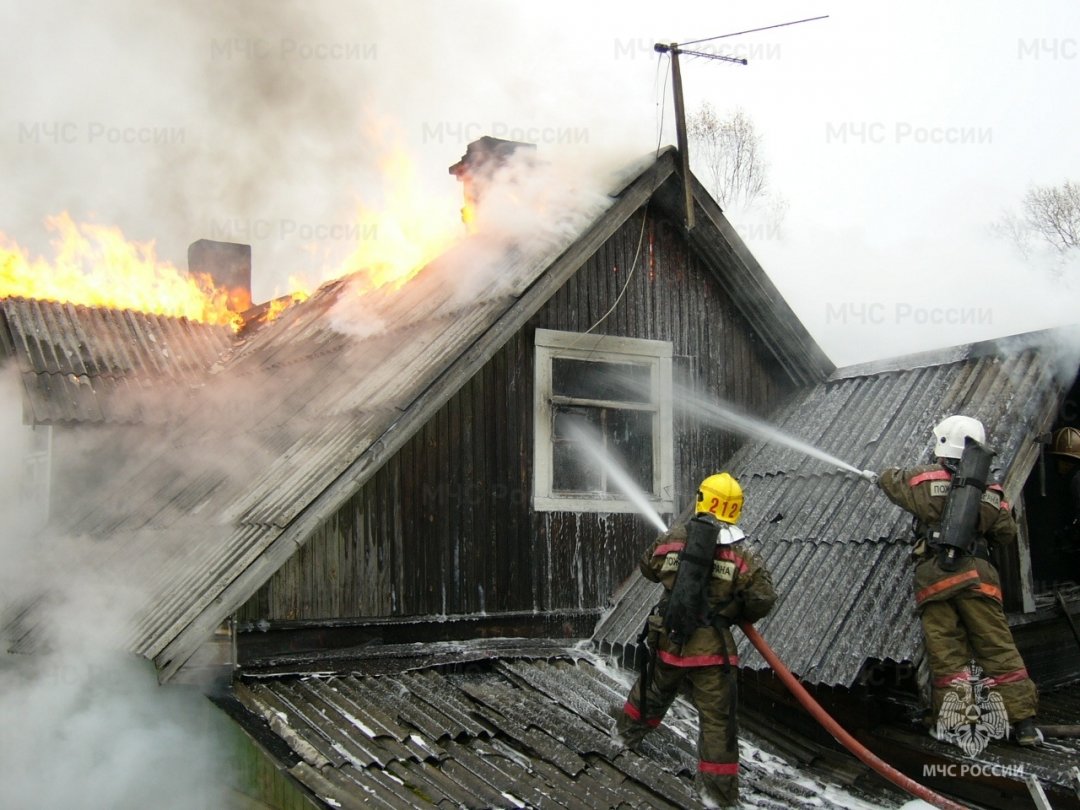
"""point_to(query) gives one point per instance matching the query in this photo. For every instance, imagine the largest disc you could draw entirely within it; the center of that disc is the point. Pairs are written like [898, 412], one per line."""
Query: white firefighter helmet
[950, 433]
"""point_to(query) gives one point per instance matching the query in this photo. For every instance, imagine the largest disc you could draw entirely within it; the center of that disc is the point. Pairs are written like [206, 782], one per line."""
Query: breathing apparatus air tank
[688, 605]
[960, 518]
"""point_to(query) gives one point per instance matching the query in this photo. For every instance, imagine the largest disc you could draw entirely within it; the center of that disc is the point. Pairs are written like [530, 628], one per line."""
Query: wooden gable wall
[445, 528]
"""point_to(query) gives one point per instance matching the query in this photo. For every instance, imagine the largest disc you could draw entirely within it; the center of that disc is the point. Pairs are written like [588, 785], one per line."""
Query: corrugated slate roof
[837, 549]
[533, 731]
[90, 364]
[313, 399]
[309, 406]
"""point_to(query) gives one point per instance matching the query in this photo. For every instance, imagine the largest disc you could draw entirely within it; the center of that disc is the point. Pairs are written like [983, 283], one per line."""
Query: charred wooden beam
[379, 659]
[259, 642]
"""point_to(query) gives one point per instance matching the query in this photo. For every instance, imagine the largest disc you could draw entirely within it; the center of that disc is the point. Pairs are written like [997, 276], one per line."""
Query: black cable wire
[662, 104]
[645, 217]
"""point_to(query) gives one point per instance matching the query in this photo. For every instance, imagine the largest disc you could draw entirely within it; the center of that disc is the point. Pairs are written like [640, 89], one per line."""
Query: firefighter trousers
[972, 627]
[713, 691]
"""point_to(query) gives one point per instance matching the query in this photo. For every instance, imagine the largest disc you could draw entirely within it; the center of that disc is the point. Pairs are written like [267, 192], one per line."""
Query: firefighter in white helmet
[711, 579]
[959, 519]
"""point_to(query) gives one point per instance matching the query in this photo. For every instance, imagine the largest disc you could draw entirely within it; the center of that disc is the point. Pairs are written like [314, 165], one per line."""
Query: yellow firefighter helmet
[720, 496]
[1067, 443]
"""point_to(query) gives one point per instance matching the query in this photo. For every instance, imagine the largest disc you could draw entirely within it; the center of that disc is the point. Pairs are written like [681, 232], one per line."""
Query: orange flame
[411, 229]
[301, 291]
[278, 305]
[94, 265]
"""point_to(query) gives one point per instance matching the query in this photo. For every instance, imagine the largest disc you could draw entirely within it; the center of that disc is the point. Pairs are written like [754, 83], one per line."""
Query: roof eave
[1060, 336]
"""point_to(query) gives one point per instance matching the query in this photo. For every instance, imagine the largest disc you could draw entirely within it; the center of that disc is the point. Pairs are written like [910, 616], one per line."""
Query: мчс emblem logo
[971, 714]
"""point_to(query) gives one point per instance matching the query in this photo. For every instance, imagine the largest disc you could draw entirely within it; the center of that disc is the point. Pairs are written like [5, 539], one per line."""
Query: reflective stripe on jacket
[923, 491]
[740, 589]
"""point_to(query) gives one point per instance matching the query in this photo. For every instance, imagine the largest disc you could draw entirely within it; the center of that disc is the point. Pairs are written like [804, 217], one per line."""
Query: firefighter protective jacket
[740, 589]
[923, 491]
[1071, 530]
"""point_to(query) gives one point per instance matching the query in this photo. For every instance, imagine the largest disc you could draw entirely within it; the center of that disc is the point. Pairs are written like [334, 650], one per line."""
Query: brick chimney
[228, 264]
[482, 158]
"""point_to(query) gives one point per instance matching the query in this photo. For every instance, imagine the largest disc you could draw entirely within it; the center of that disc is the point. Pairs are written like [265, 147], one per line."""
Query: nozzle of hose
[870, 476]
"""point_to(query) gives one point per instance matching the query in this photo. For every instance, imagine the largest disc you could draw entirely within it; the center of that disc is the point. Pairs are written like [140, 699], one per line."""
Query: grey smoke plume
[1059, 346]
[85, 723]
[264, 123]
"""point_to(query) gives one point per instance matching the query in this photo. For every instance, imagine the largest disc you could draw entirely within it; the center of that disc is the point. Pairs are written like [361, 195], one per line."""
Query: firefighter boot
[717, 793]
[1026, 733]
[627, 733]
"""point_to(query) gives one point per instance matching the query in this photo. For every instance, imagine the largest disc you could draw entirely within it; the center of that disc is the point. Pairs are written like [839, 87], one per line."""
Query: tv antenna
[675, 49]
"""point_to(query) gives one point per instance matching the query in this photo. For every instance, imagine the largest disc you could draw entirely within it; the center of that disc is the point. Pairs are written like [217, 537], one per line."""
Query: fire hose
[854, 746]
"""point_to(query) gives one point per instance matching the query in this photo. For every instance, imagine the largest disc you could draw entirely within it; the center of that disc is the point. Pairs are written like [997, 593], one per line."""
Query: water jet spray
[720, 414]
[593, 444]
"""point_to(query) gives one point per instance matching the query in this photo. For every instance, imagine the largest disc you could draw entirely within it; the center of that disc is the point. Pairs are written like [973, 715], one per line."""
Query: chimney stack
[482, 158]
[228, 264]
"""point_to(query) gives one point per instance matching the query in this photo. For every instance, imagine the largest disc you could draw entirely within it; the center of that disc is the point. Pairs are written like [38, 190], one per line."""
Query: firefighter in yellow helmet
[711, 580]
[957, 589]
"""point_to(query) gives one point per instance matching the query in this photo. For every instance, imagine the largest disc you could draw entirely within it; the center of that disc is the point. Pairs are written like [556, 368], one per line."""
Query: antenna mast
[681, 140]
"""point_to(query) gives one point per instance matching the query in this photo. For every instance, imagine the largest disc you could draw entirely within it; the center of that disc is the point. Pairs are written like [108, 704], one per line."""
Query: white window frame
[657, 354]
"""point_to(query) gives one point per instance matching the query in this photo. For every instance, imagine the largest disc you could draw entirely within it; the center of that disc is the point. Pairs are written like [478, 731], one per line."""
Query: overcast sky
[896, 133]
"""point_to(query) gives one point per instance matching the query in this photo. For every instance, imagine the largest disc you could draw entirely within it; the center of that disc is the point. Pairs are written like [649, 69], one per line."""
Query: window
[602, 415]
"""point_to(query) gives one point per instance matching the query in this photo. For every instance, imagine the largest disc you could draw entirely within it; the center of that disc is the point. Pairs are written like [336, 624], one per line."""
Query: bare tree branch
[1014, 229]
[1048, 223]
[1053, 212]
[730, 151]
[727, 155]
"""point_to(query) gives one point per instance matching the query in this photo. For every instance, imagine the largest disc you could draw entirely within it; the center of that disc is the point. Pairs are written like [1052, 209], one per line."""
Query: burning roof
[301, 412]
[95, 265]
[93, 364]
[292, 420]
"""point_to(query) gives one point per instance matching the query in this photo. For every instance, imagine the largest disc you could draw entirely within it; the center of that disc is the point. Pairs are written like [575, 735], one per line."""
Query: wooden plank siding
[446, 527]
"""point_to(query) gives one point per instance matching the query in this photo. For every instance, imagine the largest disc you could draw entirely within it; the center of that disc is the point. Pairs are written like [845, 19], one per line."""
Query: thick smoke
[272, 124]
[85, 723]
[1059, 346]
